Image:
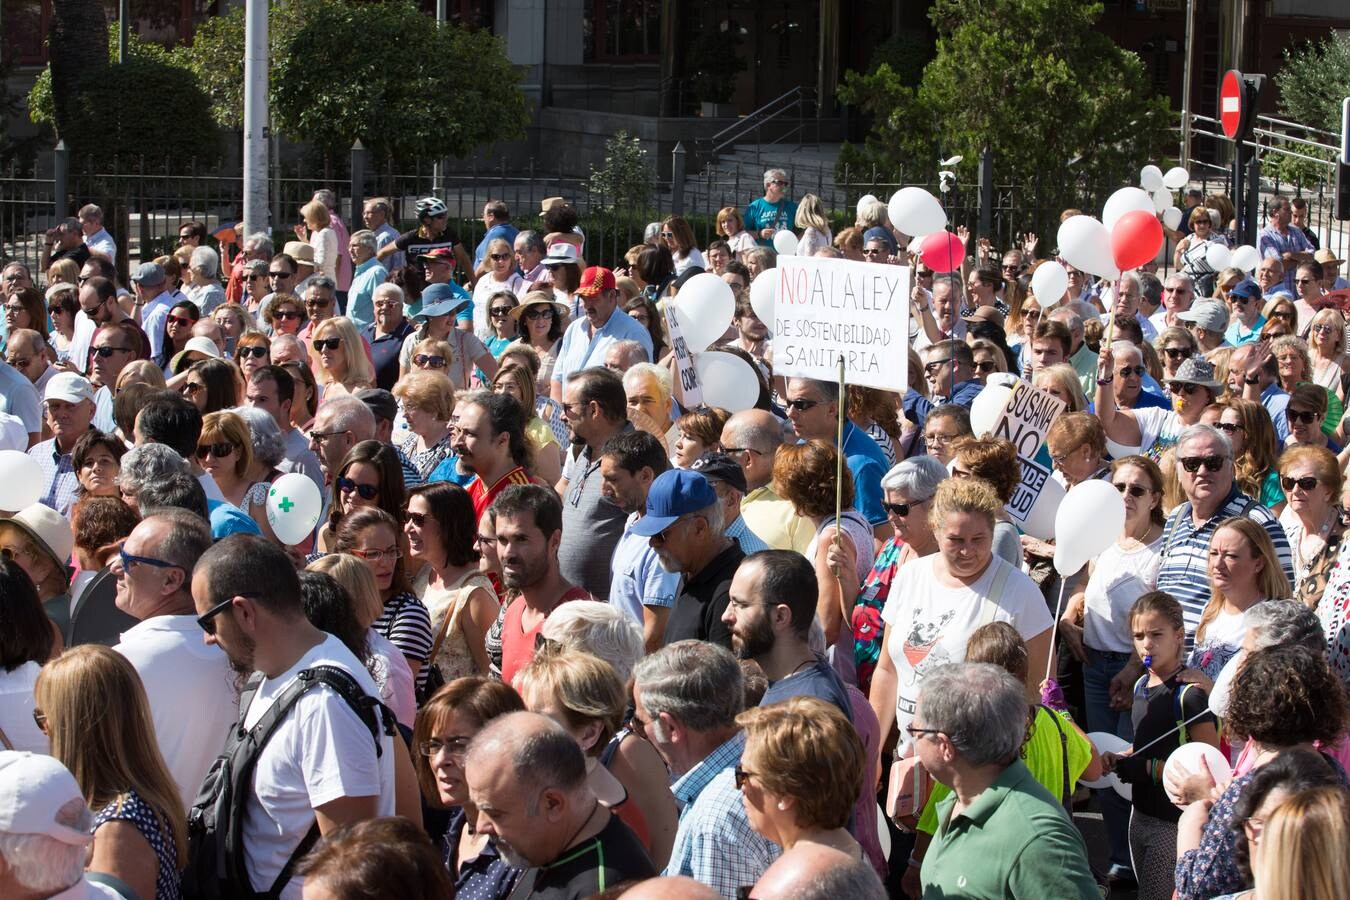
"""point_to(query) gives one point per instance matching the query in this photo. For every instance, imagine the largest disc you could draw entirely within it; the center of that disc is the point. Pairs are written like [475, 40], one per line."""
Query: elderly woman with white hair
[908, 489]
[203, 285]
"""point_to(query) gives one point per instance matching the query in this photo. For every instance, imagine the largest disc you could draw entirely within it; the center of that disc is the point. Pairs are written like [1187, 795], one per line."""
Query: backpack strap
[990, 604]
[1067, 798]
[1178, 710]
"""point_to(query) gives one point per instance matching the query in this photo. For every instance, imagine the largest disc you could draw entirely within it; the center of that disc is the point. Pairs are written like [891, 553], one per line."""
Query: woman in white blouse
[318, 231]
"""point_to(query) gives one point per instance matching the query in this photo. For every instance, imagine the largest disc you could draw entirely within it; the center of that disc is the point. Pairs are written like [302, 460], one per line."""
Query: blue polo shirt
[506, 231]
[868, 464]
[582, 349]
[361, 296]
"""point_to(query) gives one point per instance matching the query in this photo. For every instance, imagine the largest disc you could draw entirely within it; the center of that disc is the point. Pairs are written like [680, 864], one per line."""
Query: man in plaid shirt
[69, 402]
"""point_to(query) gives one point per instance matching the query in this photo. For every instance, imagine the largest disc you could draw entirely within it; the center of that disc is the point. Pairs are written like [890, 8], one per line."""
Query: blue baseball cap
[674, 493]
[1247, 289]
[877, 233]
[442, 300]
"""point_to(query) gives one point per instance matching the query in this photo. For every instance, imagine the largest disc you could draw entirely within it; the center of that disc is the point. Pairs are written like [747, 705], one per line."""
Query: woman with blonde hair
[501, 277]
[141, 371]
[1062, 381]
[342, 366]
[678, 238]
[225, 452]
[517, 381]
[801, 773]
[1243, 570]
[1303, 848]
[1326, 335]
[431, 355]
[1282, 310]
[815, 226]
[731, 226]
[91, 705]
[428, 401]
[317, 230]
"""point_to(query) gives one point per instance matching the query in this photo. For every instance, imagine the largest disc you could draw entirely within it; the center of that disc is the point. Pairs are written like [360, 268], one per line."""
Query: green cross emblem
[286, 504]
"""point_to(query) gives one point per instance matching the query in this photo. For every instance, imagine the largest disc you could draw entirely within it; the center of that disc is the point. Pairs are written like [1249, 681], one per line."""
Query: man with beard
[528, 521]
[188, 683]
[320, 765]
[772, 604]
[684, 526]
[489, 439]
[527, 778]
[639, 585]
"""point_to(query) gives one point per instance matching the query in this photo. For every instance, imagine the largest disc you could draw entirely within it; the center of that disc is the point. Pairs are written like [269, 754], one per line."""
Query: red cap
[439, 253]
[595, 280]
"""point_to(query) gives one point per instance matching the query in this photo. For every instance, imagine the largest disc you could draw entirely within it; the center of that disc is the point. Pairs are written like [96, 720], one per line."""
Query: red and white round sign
[1230, 103]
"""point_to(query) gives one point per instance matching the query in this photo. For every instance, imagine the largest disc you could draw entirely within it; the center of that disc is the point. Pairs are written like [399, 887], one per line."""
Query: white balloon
[1246, 258]
[1085, 243]
[1049, 283]
[1151, 178]
[1162, 199]
[1087, 522]
[704, 308]
[1106, 742]
[1127, 199]
[727, 380]
[1040, 521]
[1218, 256]
[1176, 178]
[1172, 217]
[764, 296]
[293, 507]
[915, 245]
[784, 241]
[915, 211]
[20, 480]
[987, 407]
[864, 202]
[1188, 757]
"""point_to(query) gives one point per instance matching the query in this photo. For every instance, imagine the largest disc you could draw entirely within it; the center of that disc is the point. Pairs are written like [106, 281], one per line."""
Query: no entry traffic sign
[1230, 103]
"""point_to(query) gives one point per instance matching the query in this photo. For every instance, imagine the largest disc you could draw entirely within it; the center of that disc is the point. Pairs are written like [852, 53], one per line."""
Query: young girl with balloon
[1162, 703]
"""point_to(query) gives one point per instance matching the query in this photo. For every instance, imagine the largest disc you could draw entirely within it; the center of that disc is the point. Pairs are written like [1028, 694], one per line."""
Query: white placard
[687, 389]
[827, 308]
[1024, 421]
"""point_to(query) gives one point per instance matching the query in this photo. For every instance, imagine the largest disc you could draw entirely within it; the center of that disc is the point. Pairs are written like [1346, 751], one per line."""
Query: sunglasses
[901, 509]
[286, 314]
[128, 561]
[417, 520]
[323, 344]
[1178, 352]
[1130, 371]
[499, 257]
[192, 388]
[1325, 328]
[257, 352]
[318, 304]
[873, 251]
[922, 274]
[1307, 417]
[779, 183]
[500, 312]
[1306, 483]
[207, 619]
[105, 352]
[428, 361]
[1178, 387]
[1229, 427]
[984, 367]
[936, 366]
[40, 720]
[743, 777]
[56, 310]
[1133, 490]
[801, 405]
[219, 450]
[542, 312]
[180, 320]
[20, 362]
[367, 491]
[280, 275]
[1213, 463]
[1283, 314]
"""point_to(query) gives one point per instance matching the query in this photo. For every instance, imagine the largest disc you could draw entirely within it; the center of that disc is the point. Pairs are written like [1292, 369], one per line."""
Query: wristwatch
[1106, 380]
[1250, 380]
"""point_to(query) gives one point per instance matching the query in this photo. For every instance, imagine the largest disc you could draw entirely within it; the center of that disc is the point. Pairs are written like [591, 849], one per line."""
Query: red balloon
[1136, 239]
[942, 251]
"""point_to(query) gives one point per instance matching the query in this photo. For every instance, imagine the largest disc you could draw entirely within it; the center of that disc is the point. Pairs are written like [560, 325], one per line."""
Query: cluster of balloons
[703, 309]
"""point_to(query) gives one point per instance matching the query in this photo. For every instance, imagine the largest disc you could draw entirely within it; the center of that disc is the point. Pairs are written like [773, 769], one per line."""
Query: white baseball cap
[69, 387]
[33, 788]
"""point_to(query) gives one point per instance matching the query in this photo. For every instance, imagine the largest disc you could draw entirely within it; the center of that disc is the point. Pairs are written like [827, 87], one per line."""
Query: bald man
[752, 438]
[678, 887]
[811, 871]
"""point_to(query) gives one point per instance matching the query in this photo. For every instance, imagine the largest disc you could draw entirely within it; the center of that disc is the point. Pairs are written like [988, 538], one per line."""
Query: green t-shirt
[1271, 494]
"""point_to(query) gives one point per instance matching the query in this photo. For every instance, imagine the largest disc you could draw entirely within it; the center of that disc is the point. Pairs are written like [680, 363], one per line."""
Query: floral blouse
[868, 628]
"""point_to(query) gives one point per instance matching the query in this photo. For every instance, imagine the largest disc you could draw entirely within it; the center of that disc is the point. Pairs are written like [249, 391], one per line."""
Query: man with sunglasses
[751, 438]
[949, 370]
[99, 307]
[1204, 461]
[341, 424]
[321, 764]
[27, 351]
[1245, 326]
[773, 211]
[320, 303]
[1135, 388]
[188, 683]
[1177, 295]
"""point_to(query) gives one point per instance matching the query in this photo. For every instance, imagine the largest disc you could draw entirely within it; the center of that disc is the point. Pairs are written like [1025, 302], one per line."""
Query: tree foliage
[1312, 82]
[147, 106]
[625, 180]
[1033, 81]
[441, 92]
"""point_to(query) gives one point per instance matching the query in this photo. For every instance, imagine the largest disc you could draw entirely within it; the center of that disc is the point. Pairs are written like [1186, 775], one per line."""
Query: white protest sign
[1024, 422]
[829, 308]
[689, 392]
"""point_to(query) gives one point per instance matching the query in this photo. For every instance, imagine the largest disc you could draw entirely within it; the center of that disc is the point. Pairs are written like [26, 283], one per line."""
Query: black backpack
[216, 869]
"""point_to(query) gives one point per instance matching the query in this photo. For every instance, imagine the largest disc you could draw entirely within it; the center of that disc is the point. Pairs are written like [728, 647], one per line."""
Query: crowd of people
[557, 633]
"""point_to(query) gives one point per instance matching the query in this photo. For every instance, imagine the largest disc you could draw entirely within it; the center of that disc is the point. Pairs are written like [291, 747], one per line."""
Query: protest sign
[687, 389]
[1025, 419]
[829, 308]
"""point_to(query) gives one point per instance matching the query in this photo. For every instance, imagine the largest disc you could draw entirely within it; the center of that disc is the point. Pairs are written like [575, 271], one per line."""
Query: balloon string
[1167, 734]
[1054, 628]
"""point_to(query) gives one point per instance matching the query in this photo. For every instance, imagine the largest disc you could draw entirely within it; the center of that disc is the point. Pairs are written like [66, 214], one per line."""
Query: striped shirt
[714, 843]
[483, 496]
[407, 625]
[1185, 555]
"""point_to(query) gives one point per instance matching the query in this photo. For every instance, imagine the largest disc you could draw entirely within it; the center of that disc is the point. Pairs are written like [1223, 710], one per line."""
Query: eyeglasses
[1134, 490]
[192, 388]
[180, 320]
[802, 405]
[500, 312]
[286, 314]
[873, 251]
[56, 310]
[901, 509]
[207, 619]
[920, 273]
[540, 312]
[392, 554]
[19, 362]
[663, 535]
[1229, 427]
[105, 352]
[1239, 300]
[985, 366]
[254, 275]
[1213, 463]
[1307, 417]
[417, 520]
[127, 561]
[14, 308]
[667, 234]
[743, 777]
[457, 748]
[367, 491]
[319, 437]
[499, 257]
[257, 352]
[1057, 459]
[317, 303]
[323, 344]
[280, 274]
[1324, 328]
[429, 361]
[1254, 826]
[738, 451]
[1131, 371]
[1178, 387]
[919, 732]
[938, 439]
[1306, 483]
[1178, 352]
[219, 450]
[40, 720]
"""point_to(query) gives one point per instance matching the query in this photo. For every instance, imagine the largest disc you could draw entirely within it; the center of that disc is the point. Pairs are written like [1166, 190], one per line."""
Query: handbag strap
[1067, 798]
[452, 612]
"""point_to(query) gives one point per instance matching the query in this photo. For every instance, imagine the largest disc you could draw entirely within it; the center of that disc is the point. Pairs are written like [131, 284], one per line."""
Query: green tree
[1032, 80]
[625, 180]
[1314, 79]
[444, 92]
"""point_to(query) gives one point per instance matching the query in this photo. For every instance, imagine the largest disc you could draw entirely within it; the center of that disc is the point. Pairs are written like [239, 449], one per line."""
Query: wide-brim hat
[200, 344]
[49, 530]
[301, 252]
[538, 298]
[1197, 370]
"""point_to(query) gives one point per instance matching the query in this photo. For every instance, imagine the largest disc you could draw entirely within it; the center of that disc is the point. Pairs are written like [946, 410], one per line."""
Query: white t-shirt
[930, 623]
[397, 688]
[319, 752]
[1159, 430]
[16, 709]
[1222, 640]
[1118, 579]
[482, 293]
[192, 694]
